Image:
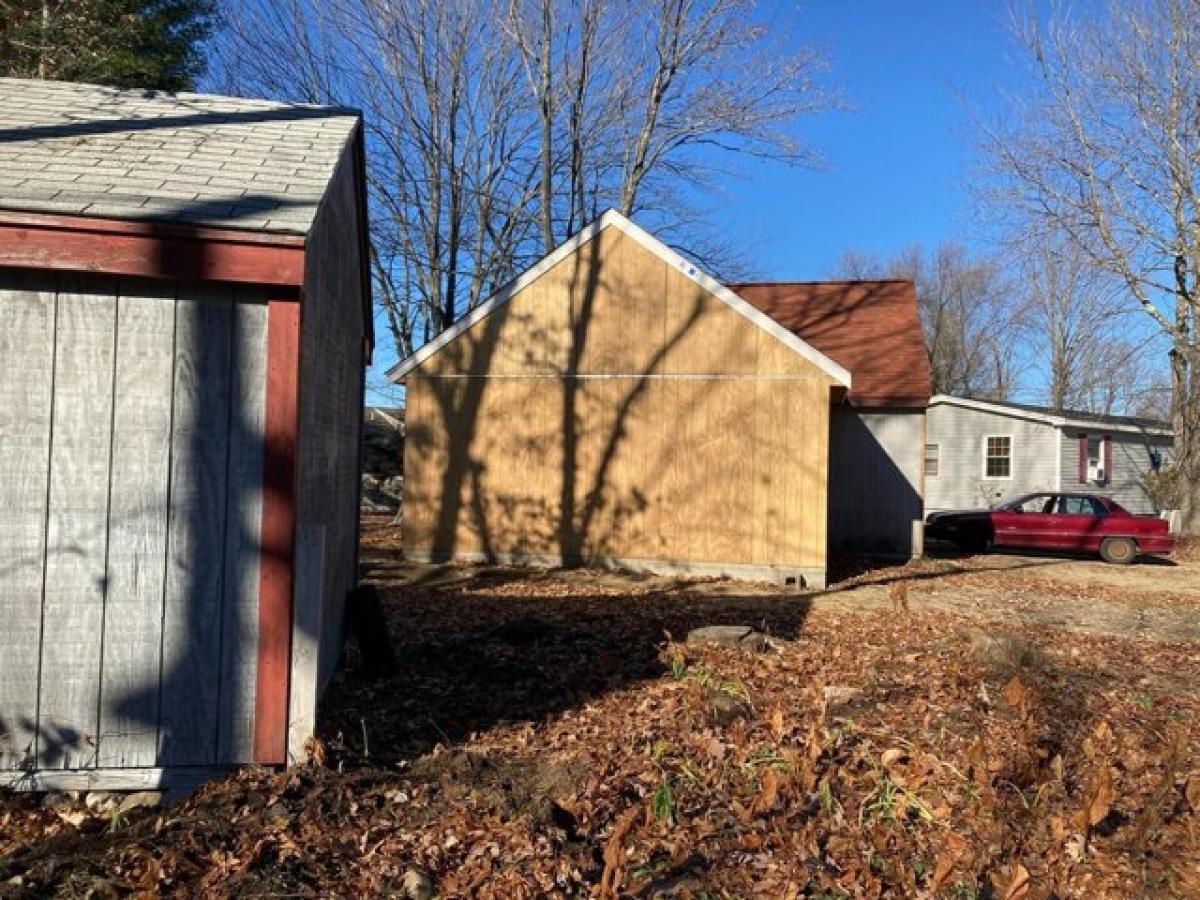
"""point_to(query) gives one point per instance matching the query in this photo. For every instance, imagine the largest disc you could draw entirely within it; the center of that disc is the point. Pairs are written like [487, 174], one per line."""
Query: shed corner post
[277, 545]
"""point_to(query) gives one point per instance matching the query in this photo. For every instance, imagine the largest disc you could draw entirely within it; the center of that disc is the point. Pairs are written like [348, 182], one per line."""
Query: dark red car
[1064, 522]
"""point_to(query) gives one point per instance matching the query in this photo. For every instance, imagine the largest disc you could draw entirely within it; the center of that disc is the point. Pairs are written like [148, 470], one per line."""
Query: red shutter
[1107, 460]
[1083, 459]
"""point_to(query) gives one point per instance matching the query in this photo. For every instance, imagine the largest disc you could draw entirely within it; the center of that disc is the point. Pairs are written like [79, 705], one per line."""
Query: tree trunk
[1185, 415]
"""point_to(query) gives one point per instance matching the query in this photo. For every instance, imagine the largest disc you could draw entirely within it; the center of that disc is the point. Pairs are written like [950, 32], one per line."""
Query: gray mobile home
[978, 452]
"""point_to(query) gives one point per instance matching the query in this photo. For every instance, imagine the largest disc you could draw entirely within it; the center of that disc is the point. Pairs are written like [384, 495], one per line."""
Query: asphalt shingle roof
[79, 149]
[871, 328]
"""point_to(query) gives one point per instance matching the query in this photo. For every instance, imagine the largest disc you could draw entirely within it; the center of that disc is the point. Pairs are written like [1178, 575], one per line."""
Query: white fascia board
[612, 218]
[1093, 425]
[1046, 418]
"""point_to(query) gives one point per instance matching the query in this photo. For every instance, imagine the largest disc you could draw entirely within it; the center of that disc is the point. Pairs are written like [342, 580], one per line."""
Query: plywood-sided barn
[616, 406]
[184, 323]
[876, 441]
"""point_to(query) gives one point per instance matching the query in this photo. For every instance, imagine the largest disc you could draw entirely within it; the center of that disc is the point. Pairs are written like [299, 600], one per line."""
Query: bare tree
[1103, 148]
[968, 315]
[497, 128]
[1076, 330]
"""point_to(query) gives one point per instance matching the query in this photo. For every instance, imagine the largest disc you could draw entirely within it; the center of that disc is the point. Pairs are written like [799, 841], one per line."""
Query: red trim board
[148, 249]
[275, 586]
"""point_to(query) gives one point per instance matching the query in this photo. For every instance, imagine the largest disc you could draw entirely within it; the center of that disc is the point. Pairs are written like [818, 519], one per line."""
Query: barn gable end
[616, 406]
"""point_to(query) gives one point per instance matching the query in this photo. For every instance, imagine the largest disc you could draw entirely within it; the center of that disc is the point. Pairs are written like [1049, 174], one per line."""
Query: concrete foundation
[787, 576]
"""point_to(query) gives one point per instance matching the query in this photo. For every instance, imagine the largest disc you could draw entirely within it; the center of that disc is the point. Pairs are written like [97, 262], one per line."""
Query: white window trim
[937, 459]
[1012, 448]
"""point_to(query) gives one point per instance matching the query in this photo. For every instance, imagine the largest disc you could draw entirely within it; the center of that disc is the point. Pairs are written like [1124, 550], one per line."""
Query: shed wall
[875, 462]
[960, 482]
[332, 360]
[615, 410]
[130, 464]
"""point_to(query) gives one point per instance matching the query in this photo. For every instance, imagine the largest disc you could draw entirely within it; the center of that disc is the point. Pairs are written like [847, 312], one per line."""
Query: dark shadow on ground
[940, 550]
[479, 647]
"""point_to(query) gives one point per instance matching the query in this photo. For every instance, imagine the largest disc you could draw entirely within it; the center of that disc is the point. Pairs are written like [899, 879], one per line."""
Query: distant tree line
[126, 43]
[996, 321]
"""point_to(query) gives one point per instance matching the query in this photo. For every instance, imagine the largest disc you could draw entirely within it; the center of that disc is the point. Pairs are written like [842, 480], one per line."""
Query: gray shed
[184, 326]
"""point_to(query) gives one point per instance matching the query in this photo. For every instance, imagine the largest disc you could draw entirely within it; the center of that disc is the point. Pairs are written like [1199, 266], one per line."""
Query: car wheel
[1121, 551]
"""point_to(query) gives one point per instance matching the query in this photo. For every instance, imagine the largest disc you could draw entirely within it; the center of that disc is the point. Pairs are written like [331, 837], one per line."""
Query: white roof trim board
[1032, 415]
[614, 219]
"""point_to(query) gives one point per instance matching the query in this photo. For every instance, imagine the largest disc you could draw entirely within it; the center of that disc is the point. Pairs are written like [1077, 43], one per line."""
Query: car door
[1078, 522]
[1022, 525]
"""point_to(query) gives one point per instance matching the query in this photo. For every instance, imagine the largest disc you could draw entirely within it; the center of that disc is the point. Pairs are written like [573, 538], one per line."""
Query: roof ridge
[155, 94]
[829, 281]
[612, 218]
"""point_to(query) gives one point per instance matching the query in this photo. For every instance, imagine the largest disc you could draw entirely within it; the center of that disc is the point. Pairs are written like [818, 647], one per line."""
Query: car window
[1035, 504]
[1080, 506]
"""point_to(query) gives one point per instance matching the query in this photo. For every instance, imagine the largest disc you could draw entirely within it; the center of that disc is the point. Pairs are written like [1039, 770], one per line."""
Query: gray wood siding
[130, 464]
[960, 482]
[332, 357]
[1130, 463]
[875, 460]
[137, 524]
[28, 308]
[76, 535]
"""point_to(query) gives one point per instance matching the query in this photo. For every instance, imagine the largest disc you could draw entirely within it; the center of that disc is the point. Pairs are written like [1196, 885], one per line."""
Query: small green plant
[829, 803]
[1145, 701]
[961, 890]
[707, 678]
[921, 868]
[881, 803]
[678, 664]
[970, 792]
[766, 757]
[658, 749]
[888, 801]
[662, 804]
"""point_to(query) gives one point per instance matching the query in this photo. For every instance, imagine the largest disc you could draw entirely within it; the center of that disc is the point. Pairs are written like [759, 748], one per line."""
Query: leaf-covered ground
[549, 734]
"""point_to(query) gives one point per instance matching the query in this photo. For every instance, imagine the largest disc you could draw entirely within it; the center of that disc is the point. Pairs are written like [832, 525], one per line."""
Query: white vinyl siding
[1130, 463]
[874, 479]
[961, 482]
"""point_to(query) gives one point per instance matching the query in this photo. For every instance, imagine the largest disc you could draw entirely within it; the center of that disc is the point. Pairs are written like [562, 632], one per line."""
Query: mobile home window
[997, 456]
[932, 452]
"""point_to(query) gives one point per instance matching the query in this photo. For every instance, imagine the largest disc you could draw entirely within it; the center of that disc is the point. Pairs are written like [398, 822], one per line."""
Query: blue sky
[899, 161]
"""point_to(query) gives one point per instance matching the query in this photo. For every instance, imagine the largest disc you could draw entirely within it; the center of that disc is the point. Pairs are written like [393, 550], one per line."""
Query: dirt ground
[1011, 727]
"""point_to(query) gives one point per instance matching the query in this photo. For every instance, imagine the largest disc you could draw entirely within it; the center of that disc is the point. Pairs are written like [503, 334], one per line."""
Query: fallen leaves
[1100, 798]
[544, 739]
[1018, 887]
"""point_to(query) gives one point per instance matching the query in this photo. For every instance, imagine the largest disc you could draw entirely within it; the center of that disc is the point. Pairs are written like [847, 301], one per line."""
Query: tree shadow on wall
[164, 641]
[570, 397]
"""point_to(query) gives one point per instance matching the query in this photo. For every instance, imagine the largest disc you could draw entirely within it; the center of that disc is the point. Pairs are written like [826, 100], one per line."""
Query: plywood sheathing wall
[615, 408]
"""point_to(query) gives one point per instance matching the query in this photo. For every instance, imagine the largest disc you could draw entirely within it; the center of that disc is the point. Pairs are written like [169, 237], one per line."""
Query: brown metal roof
[869, 327]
